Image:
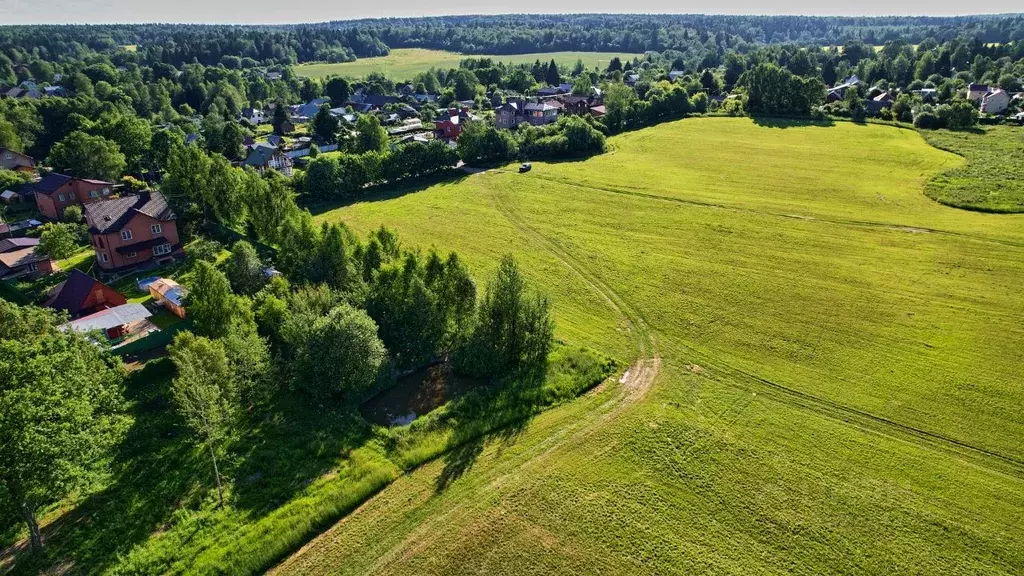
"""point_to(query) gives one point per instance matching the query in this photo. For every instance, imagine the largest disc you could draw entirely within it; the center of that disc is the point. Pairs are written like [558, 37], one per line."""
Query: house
[81, 295]
[11, 160]
[271, 76]
[424, 98]
[673, 75]
[578, 105]
[304, 112]
[995, 102]
[130, 231]
[977, 92]
[253, 115]
[286, 126]
[540, 113]
[597, 111]
[410, 138]
[549, 91]
[9, 197]
[117, 323]
[875, 105]
[838, 92]
[372, 100]
[55, 192]
[510, 114]
[449, 124]
[268, 157]
[24, 261]
[631, 79]
[55, 91]
[168, 294]
[274, 140]
[12, 244]
[926, 94]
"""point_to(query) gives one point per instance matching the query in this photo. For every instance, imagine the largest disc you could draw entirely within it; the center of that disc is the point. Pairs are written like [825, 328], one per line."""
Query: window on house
[155, 228]
[93, 194]
[33, 267]
[126, 234]
[132, 255]
[9, 156]
[99, 242]
[106, 191]
[60, 197]
[161, 250]
[104, 258]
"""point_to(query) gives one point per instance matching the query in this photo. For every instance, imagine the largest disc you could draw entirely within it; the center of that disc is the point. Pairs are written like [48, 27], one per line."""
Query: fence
[293, 154]
[155, 340]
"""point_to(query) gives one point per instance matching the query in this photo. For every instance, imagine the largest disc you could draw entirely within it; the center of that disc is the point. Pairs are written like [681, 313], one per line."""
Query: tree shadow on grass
[498, 413]
[287, 444]
[154, 473]
[784, 122]
[388, 191]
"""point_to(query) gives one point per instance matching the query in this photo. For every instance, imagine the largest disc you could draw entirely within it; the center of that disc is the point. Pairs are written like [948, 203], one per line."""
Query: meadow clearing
[404, 63]
[829, 375]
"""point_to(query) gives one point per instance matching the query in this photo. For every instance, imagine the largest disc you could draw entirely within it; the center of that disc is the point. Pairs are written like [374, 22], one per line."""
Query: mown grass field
[404, 63]
[992, 180]
[839, 387]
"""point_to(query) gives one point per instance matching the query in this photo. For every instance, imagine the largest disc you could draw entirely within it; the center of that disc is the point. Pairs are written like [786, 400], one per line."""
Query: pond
[417, 394]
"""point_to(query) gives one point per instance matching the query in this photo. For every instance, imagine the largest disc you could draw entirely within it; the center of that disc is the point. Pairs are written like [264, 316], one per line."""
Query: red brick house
[56, 192]
[81, 295]
[130, 231]
[450, 123]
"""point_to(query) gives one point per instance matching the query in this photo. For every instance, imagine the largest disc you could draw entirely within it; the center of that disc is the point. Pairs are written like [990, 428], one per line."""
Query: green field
[404, 63]
[988, 181]
[830, 379]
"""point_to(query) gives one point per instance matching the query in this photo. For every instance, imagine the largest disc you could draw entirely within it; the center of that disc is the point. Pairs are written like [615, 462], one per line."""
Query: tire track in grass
[840, 221]
[634, 385]
[776, 390]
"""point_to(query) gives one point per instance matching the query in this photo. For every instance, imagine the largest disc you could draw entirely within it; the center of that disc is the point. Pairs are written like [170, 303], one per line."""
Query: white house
[995, 102]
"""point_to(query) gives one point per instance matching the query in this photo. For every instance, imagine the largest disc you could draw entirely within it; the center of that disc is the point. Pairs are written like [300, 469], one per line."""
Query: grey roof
[9, 244]
[111, 215]
[50, 183]
[110, 318]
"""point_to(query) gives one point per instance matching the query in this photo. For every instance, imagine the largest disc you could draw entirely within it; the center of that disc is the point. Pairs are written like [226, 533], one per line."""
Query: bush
[203, 250]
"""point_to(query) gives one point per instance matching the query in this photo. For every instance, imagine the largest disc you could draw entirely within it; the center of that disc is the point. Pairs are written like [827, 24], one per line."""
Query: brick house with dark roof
[55, 192]
[133, 230]
[20, 257]
[11, 160]
[81, 295]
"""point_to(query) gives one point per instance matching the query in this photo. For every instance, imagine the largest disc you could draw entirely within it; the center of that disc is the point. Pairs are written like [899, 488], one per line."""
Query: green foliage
[370, 135]
[204, 250]
[61, 411]
[336, 356]
[244, 269]
[775, 90]
[13, 179]
[481, 144]
[325, 125]
[514, 332]
[210, 303]
[88, 157]
[203, 392]
[59, 240]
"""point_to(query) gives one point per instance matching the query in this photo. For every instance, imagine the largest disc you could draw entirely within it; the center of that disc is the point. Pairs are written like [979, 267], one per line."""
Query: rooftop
[111, 215]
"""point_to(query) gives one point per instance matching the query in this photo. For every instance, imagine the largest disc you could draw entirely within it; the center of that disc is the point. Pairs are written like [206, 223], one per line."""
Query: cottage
[510, 115]
[81, 295]
[675, 74]
[304, 112]
[838, 92]
[130, 231]
[17, 228]
[20, 257]
[450, 123]
[117, 323]
[168, 294]
[11, 160]
[265, 157]
[253, 115]
[995, 102]
[540, 113]
[578, 105]
[977, 92]
[55, 192]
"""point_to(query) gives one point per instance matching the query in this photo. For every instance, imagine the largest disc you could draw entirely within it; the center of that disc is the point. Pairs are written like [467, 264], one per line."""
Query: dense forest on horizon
[341, 41]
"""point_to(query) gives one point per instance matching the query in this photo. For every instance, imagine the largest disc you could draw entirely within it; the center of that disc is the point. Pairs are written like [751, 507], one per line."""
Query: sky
[276, 11]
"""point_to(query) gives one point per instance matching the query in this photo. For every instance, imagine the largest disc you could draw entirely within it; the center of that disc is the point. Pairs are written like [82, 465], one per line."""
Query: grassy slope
[991, 181]
[852, 336]
[404, 63]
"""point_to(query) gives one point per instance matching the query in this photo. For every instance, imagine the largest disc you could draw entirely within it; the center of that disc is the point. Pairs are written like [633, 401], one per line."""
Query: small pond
[416, 394]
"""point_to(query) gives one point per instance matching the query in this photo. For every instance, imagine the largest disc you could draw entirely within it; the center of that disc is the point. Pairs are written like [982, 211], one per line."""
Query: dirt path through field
[633, 386]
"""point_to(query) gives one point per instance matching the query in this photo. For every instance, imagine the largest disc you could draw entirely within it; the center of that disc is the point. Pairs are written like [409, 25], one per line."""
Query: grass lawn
[992, 179]
[404, 63]
[839, 381]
